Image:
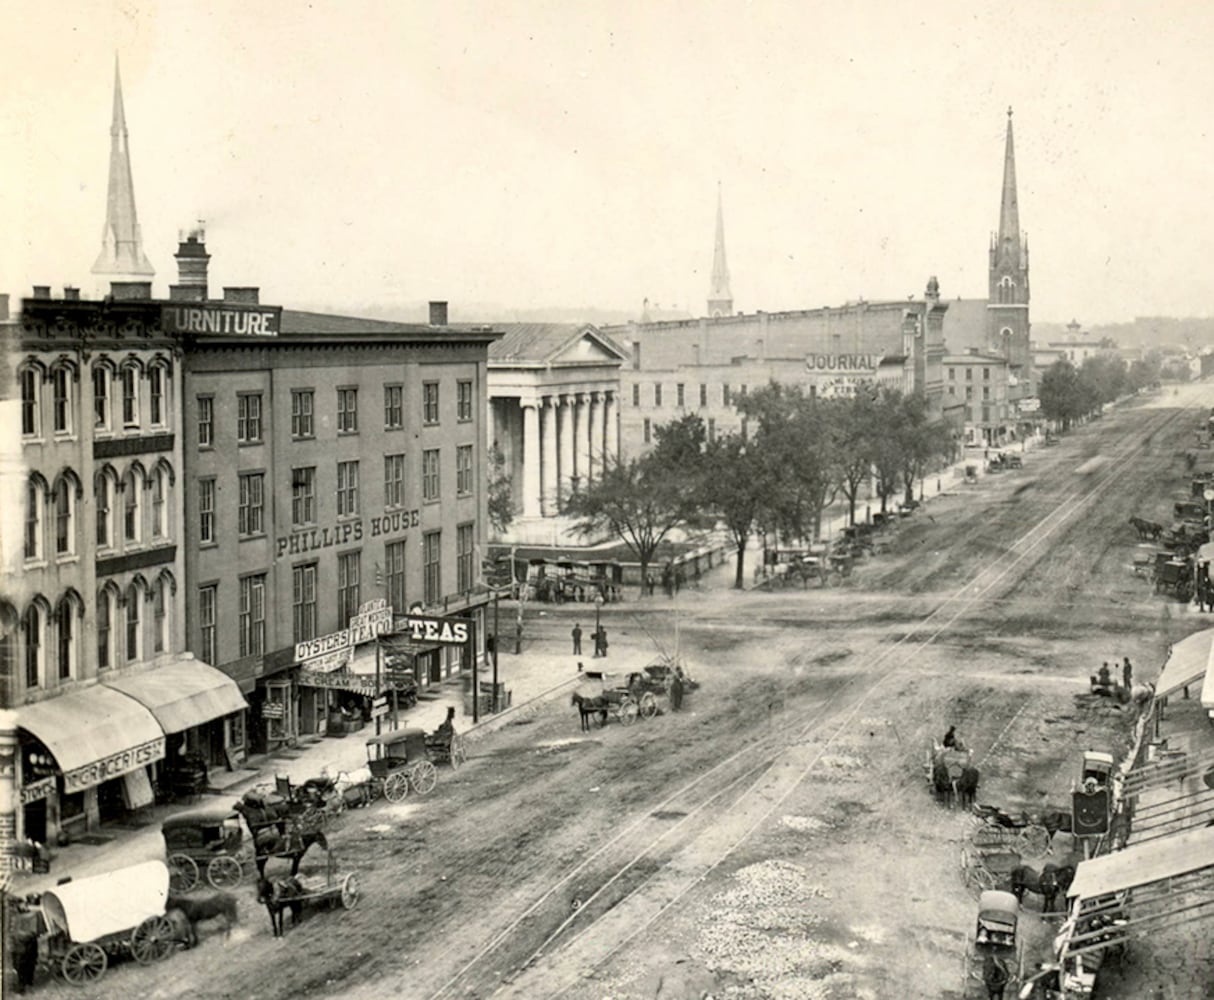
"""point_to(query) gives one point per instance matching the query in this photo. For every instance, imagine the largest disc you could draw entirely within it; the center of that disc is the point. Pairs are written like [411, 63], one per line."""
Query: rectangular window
[347, 489]
[130, 397]
[61, 382]
[347, 411]
[303, 496]
[159, 621]
[104, 625]
[463, 401]
[248, 417]
[680, 395]
[463, 470]
[986, 392]
[703, 394]
[969, 374]
[430, 482]
[986, 374]
[969, 392]
[394, 574]
[30, 397]
[636, 355]
[102, 498]
[206, 511]
[160, 523]
[430, 402]
[464, 551]
[394, 480]
[251, 510]
[657, 393]
[952, 374]
[303, 411]
[647, 430]
[636, 394]
[725, 394]
[208, 634]
[101, 399]
[348, 587]
[253, 615]
[134, 596]
[303, 602]
[986, 414]
[206, 422]
[433, 578]
[712, 428]
[156, 396]
[394, 407]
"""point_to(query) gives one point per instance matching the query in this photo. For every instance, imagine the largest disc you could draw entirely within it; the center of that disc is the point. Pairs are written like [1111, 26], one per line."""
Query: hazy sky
[564, 154]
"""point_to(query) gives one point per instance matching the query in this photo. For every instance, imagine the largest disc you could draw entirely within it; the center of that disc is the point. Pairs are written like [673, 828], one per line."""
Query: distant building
[977, 384]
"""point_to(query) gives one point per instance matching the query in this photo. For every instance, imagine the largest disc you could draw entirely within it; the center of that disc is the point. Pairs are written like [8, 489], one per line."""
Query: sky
[533, 155]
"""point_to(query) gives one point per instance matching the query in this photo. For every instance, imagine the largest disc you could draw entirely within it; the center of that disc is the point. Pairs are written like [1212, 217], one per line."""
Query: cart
[90, 921]
[995, 935]
[398, 761]
[332, 889]
[204, 842]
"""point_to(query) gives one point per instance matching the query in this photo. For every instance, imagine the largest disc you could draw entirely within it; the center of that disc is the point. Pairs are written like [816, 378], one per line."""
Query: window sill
[303, 437]
[346, 434]
[250, 444]
[66, 558]
[252, 537]
[64, 437]
[394, 427]
[38, 563]
[212, 544]
[31, 439]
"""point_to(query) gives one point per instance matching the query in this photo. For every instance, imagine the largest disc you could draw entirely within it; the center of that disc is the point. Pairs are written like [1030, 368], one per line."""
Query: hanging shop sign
[371, 625]
[329, 661]
[33, 792]
[363, 684]
[428, 628]
[113, 766]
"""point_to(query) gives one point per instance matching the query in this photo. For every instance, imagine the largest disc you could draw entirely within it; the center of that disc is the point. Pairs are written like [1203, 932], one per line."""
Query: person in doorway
[577, 640]
[1127, 674]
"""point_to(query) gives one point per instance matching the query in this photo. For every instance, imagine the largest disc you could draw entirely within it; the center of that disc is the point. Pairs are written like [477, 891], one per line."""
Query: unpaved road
[777, 839]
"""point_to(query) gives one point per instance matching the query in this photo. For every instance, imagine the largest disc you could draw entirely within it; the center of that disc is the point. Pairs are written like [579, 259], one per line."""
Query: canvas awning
[183, 694]
[95, 733]
[1187, 664]
[1142, 864]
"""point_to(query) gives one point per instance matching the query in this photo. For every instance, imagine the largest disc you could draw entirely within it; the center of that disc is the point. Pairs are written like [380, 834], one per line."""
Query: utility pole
[476, 688]
[378, 657]
[497, 639]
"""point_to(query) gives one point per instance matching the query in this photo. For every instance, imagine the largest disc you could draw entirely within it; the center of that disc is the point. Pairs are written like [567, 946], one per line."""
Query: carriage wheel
[349, 891]
[627, 712]
[396, 788]
[84, 963]
[424, 777]
[1034, 839]
[224, 872]
[183, 872]
[152, 940]
[648, 706]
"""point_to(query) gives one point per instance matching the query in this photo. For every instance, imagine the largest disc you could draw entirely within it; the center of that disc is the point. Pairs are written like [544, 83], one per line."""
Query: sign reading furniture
[254, 321]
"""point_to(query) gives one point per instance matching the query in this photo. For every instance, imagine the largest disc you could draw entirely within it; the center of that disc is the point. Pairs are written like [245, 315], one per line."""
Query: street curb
[515, 712]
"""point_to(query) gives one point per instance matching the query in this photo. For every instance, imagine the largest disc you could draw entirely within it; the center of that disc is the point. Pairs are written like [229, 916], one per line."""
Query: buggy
[397, 761]
[204, 843]
[995, 936]
[90, 921]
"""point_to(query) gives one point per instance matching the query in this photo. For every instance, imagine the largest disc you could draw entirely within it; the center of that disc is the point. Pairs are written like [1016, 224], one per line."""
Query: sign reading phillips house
[222, 318]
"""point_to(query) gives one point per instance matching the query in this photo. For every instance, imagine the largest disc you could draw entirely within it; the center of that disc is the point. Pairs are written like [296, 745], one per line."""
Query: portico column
[565, 446]
[580, 422]
[587, 442]
[612, 446]
[531, 461]
[550, 502]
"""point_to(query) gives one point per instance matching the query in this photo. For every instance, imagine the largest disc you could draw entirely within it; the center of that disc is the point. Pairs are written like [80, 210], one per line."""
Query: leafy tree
[887, 445]
[735, 488]
[855, 441]
[920, 440]
[1106, 375]
[501, 492]
[1060, 393]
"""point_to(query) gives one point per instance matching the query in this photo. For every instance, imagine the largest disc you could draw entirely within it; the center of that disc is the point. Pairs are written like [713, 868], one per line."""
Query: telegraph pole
[497, 640]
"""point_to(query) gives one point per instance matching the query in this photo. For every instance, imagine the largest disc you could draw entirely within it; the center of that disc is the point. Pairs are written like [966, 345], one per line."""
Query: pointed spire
[122, 253]
[720, 298]
[1009, 211]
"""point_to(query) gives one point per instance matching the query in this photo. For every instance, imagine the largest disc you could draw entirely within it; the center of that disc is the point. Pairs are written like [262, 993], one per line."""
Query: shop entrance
[35, 821]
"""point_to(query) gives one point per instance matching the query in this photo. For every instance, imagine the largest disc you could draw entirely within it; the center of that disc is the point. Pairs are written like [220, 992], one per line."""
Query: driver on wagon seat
[950, 738]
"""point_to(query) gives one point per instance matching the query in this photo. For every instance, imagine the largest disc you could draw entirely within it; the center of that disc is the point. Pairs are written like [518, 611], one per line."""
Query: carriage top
[193, 819]
[999, 908]
[90, 908]
[399, 736]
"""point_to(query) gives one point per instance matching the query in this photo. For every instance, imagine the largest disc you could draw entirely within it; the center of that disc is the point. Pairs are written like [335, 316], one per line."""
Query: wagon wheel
[424, 776]
[396, 787]
[627, 712]
[648, 706]
[1034, 839]
[84, 963]
[152, 940]
[224, 872]
[183, 872]
[349, 891]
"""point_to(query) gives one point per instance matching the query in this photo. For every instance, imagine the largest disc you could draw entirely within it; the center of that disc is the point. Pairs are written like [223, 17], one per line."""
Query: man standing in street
[1127, 674]
[577, 640]
[602, 641]
[676, 691]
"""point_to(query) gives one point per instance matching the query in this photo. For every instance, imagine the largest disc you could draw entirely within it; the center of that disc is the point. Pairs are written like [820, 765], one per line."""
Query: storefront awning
[95, 733]
[1187, 663]
[1142, 864]
[183, 694]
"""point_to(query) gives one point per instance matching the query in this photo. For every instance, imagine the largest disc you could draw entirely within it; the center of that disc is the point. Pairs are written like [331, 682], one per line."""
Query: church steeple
[1008, 303]
[1009, 211]
[122, 253]
[720, 298]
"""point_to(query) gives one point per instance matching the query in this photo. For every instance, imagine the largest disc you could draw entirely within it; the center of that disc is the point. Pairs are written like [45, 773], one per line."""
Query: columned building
[554, 418]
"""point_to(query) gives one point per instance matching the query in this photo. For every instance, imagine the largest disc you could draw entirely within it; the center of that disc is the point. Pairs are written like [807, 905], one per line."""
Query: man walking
[577, 640]
[1127, 674]
[602, 644]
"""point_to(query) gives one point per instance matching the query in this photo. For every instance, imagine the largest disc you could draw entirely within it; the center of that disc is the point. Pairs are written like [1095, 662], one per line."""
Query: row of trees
[1068, 393]
[794, 456]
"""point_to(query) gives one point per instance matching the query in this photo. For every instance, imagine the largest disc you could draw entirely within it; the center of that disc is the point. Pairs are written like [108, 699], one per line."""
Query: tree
[1060, 392]
[501, 492]
[735, 489]
[856, 428]
[887, 445]
[920, 440]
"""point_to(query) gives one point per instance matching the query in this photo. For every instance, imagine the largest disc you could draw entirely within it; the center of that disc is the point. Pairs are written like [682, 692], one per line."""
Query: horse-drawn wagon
[204, 843]
[91, 921]
[296, 891]
[398, 761]
[995, 957]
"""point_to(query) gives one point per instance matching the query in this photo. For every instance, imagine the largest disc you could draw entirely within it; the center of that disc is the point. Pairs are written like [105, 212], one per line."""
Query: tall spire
[720, 298]
[121, 242]
[1009, 211]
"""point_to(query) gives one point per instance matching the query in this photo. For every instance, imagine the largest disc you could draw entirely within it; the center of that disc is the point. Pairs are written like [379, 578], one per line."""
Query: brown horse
[281, 894]
[196, 909]
[269, 843]
[588, 707]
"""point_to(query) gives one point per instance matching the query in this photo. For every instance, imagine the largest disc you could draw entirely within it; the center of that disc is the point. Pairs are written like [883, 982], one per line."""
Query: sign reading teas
[254, 321]
[444, 631]
[113, 766]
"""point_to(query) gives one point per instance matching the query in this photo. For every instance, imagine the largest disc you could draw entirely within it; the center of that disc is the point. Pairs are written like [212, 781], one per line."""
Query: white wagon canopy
[90, 908]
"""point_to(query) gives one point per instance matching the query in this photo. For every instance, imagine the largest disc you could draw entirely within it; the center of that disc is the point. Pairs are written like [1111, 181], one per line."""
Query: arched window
[130, 396]
[160, 612]
[65, 638]
[31, 401]
[160, 489]
[102, 382]
[65, 516]
[1007, 291]
[35, 508]
[157, 395]
[10, 625]
[33, 626]
[103, 502]
[61, 397]
[132, 498]
[105, 628]
[131, 619]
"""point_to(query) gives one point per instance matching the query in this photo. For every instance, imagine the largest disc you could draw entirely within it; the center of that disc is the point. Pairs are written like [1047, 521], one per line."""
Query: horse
[269, 843]
[995, 974]
[196, 909]
[1052, 880]
[943, 784]
[967, 786]
[280, 894]
[590, 706]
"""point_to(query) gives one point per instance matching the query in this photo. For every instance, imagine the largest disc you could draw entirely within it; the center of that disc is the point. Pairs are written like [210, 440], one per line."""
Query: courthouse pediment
[553, 344]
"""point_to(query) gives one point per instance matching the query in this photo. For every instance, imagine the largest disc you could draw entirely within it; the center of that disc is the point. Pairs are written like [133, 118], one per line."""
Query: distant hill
[1145, 331]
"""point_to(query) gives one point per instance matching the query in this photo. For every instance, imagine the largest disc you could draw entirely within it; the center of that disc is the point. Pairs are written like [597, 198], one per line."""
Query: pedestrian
[1127, 674]
[650, 583]
[518, 638]
[676, 692]
[603, 640]
[995, 976]
[577, 640]
[1104, 678]
[598, 643]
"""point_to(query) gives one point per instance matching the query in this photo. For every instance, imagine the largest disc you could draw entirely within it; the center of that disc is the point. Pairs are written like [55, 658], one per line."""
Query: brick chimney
[192, 259]
[130, 291]
[438, 313]
[248, 295]
[42, 291]
[3, 307]
[71, 294]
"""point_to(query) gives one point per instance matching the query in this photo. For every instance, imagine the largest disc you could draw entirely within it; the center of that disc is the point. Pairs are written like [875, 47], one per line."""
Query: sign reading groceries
[113, 766]
[373, 619]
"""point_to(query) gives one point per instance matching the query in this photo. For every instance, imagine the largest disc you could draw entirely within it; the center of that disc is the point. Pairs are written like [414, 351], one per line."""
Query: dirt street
[776, 839]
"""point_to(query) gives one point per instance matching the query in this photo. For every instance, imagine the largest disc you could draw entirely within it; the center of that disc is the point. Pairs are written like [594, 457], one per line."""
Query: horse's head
[575, 699]
[265, 890]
